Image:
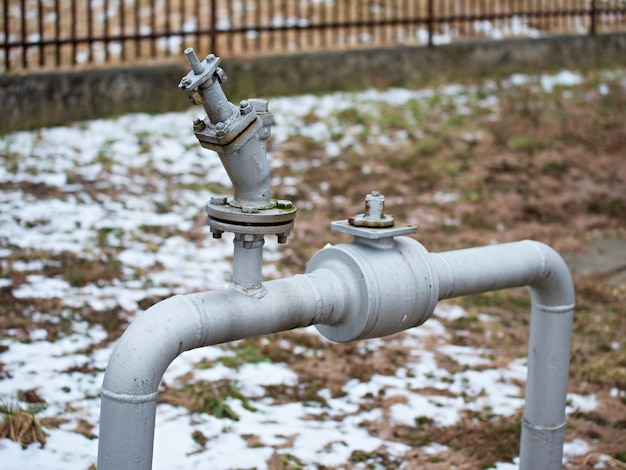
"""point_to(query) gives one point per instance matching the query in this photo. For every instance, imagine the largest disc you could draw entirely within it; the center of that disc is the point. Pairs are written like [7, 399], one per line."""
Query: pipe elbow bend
[553, 287]
[150, 344]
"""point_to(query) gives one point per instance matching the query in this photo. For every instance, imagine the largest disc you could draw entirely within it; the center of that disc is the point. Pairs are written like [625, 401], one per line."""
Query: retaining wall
[47, 99]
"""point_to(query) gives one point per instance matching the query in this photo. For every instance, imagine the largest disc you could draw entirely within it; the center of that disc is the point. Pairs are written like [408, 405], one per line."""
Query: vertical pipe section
[248, 263]
[475, 270]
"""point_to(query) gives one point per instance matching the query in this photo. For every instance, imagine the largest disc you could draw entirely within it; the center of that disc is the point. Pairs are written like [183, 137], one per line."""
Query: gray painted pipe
[185, 322]
[350, 291]
[536, 265]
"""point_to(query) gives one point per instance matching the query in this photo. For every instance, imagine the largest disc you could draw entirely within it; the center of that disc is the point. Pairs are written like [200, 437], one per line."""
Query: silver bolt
[210, 58]
[245, 107]
[185, 81]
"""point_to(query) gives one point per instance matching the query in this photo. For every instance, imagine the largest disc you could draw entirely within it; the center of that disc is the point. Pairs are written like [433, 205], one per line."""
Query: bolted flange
[275, 219]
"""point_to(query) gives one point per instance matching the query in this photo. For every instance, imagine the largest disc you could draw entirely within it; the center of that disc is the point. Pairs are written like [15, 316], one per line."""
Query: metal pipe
[533, 264]
[248, 263]
[181, 323]
[363, 289]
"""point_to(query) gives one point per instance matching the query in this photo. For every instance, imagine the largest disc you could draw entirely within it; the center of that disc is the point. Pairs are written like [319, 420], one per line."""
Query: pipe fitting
[239, 135]
[391, 288]
[374, 215]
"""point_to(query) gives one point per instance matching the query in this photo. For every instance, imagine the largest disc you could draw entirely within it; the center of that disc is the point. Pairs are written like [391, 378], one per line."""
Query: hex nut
[199, 125]
[218, 200]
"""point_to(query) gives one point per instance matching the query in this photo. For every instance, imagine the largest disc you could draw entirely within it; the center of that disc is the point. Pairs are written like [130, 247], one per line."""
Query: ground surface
[100, 220]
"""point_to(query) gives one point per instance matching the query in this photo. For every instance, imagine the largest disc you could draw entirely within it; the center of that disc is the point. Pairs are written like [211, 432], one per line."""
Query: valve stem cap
[374, 216]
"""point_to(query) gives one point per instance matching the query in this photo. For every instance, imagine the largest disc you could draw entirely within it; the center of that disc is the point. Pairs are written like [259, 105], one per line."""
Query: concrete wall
[47, 99]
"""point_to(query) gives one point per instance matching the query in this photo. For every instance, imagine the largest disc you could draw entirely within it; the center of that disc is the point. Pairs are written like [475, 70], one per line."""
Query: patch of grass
[511, 299]
[30, 396]
[307, 391]
[378, 458]
[11, 160]
[256, 350]
[207, 397]
[353, 116]
[598, 352]
[284, 461]
[79, 272]
[20, 424]
[524, 143]
[482, 440]
[429, 145]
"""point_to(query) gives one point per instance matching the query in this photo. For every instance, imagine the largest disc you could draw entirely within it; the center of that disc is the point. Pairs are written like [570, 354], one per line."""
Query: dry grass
[20, 424]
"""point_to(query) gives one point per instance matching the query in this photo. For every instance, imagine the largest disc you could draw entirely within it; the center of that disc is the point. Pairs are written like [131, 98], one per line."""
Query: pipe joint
[391, 289]
[239, 135]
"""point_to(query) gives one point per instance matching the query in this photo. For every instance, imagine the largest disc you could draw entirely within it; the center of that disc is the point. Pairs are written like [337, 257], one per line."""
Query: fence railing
[52, 34]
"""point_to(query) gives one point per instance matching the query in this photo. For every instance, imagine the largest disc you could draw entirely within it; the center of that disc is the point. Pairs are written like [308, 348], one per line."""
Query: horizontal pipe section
[181, 323]
[533, 264]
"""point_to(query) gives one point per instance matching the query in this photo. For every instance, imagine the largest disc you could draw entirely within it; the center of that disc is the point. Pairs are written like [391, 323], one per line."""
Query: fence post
[431, 22]
[592, 18]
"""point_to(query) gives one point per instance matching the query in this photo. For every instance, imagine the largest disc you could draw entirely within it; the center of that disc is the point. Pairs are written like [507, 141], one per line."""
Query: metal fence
[52, 34]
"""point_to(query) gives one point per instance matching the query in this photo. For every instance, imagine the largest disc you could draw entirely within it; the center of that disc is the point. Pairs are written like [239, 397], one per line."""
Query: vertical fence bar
[244, 24]
[258, 26]
[122, 34]
[89, 32]
[24, 34]
[73, 31]
[137, 29]
[324, 29]
[40, 32]
[385, 35]
[57, 33]
[7, 33]
[168, 27]
[106, 35]
[371, 16]
[431, 22]
[152, 28]
[283, 10]
[196, 13]
[592, 17]
[311, 26]
[271, 44]
[182, 26]
[298, 25]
